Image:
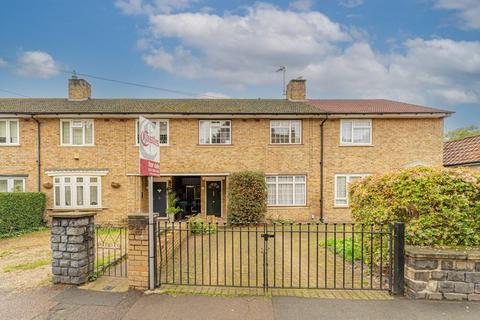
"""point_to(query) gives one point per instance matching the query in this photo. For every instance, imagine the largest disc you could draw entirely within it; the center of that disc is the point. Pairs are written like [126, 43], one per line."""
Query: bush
[441, 207]
[21, 211]
[199, 225]
[247, 197]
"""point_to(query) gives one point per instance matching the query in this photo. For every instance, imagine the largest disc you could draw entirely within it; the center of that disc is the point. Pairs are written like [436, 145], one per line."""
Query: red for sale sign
[149, 148]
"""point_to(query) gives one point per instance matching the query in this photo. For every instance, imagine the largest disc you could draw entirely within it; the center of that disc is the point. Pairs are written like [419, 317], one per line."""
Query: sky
[418, 51]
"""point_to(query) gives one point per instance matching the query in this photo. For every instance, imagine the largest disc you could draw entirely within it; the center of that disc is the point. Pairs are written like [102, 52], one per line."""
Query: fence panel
[111, 251]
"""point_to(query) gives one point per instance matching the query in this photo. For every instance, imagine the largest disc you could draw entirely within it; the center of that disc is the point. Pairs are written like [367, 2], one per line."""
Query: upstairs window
[163, 128]
[341, 187]
[12, 184]
[286, 131]
[215, 132]
[9, 132]
[356, 132]
[76, 132]
[77, 192]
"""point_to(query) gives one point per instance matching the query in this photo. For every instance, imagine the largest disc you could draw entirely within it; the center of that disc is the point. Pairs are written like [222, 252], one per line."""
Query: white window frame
[347, 181]
[156, 121]
[353, 121]
[7, 132]
[10, 183]
[294, 183]
[73, 191]
[210, 132]
[70, 144]
[289, 131]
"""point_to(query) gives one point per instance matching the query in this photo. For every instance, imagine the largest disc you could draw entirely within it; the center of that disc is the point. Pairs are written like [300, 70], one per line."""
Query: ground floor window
[286, 190]
[77, 192]
[341, 187]
[12, 184]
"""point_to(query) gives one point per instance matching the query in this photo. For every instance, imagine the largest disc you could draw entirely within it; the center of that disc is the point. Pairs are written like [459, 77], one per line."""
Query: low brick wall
[138, 251]
[442, 274]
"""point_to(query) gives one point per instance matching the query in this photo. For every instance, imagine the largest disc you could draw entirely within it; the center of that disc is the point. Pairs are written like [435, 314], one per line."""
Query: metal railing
[111, 251]
[297, 255]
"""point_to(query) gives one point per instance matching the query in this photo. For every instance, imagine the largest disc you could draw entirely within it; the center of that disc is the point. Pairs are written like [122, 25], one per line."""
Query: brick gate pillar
[72, 242]
[138, 251]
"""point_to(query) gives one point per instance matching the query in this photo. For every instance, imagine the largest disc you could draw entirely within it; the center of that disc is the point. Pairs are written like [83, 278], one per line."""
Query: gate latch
[265, 236]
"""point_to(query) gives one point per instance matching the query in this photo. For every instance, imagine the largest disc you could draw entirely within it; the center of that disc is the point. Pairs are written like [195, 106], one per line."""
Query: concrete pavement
[73, 303]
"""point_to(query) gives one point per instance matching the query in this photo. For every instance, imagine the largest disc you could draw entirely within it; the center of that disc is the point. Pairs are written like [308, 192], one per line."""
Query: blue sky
[419, 51]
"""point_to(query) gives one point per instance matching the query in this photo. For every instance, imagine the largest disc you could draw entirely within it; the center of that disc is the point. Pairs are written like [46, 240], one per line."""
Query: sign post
[149, 166]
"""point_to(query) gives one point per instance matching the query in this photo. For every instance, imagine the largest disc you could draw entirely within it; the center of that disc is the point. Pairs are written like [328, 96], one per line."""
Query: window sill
[215, 145]
[286, 145]
[344, 206]
[356, 145]
[77, 146]
[77, 209]
[10, 145]
[288, 206]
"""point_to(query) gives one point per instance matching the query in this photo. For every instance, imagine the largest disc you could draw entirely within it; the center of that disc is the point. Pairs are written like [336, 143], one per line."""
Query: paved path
[72, 303]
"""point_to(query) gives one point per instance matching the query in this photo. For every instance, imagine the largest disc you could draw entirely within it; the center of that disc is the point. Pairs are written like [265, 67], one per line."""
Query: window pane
[93, 195]
[341, 201]
[296, 132]
[18, 185]
[79, 195]
[93, 179]
[285, 193]
[271, 179]
[280, 135]
[65, 132]
[67, 180]
[362, 123]
[204, 132]
[3, 132]
[88, 132]
[347, 131]
[361, 135]
[299, 193]
[77, 134]
[57, 196]
[68, 196]
[341, 187]
[272, 193]
[13, 132]
[163, 125]
[3, 185]
[285, 179]
[225, 135]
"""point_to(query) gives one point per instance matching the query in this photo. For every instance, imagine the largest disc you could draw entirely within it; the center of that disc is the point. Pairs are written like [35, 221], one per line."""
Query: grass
[21, 233]
[28, 265]
[6, 252]
[352, 251]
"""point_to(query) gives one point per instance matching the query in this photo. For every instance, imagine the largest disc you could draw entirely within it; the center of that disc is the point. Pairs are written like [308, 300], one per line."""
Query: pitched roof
[465, 151]
[167, 106]
[210, 106]
[365, 106]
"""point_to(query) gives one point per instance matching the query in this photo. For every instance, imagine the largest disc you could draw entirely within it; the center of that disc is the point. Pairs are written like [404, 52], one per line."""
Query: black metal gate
[298, 256]
[111, 247]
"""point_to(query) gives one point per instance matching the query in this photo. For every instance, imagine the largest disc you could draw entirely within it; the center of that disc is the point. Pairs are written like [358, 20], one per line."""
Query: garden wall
[442, 274]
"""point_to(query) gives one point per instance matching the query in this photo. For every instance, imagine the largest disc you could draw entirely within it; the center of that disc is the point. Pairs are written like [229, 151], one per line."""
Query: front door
[160, 198]
[214, 198]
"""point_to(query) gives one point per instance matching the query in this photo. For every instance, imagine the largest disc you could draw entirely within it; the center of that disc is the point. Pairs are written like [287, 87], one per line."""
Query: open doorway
[188, 193]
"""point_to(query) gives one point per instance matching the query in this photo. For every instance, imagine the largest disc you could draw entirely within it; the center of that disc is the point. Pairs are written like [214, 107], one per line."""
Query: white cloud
[350, 3]
[3, 63]
[136, 7]
[213, 95]
[243, 50]
[301, 5]
[36, 64]
[468, 11]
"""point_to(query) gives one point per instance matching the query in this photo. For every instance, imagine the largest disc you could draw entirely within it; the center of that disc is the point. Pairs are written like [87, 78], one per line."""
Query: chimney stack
[78, 89]
[296, 89]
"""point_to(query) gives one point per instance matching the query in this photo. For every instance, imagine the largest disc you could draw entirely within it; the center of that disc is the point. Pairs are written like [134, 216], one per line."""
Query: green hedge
[247, 197]
[21, 211]
[441, 207]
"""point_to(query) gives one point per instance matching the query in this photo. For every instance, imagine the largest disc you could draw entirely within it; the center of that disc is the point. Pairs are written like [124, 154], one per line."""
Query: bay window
[12, 184]
[286, 190]
[341, 187]
[76, 132]
[9, 132]
[215, 131]
[356, 132]
[77, 192]
[286, 131]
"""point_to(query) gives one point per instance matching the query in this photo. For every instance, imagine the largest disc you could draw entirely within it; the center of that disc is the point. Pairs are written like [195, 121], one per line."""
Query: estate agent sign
[149, 148]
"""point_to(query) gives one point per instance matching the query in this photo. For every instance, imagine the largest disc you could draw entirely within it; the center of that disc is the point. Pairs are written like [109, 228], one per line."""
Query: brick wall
[446, 274]
[137, 262]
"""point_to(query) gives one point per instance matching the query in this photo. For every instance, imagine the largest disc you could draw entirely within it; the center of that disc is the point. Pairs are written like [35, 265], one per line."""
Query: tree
[462, 133]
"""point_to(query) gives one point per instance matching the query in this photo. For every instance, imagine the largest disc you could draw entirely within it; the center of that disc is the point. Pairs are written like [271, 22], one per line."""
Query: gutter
[38, 154]
[321, 168]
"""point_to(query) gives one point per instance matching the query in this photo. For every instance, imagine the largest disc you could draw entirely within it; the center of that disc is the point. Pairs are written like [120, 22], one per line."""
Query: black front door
[160, 198]
[214, 198]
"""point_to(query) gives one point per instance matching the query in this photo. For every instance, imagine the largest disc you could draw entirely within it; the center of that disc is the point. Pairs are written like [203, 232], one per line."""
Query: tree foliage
[441, 207]
[462, 133]
[247, 197]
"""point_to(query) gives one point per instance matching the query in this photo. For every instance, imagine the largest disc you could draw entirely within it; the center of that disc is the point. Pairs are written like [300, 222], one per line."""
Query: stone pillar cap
[72, 214]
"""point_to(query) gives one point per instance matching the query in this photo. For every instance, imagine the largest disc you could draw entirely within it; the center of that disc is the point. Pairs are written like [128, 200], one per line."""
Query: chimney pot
[296, 89]
[78, 89]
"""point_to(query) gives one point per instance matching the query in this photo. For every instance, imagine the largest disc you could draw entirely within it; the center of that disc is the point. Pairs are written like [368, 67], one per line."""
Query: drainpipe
[321, 167]
[38, 154]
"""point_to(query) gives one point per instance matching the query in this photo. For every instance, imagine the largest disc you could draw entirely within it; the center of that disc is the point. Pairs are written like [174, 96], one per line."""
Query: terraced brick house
[83, 152]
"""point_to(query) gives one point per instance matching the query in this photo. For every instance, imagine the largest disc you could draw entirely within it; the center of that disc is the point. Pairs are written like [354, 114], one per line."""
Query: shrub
[441, 207]
[247, 197]
[199, 225]
[21, 211]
